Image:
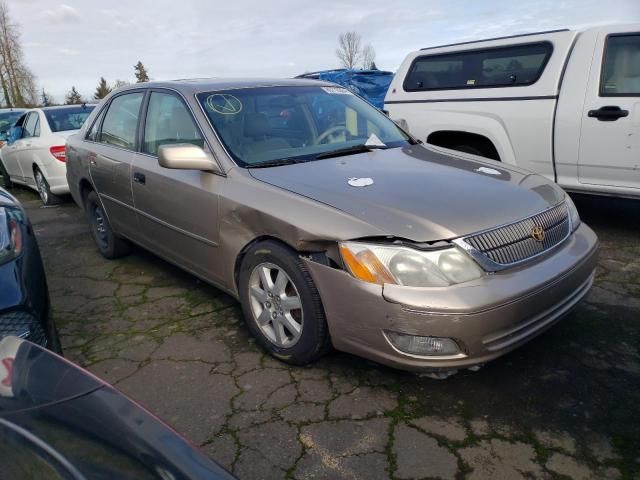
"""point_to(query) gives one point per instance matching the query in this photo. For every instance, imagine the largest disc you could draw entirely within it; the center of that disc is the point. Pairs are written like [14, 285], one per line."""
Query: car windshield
[274, 125]
[8, 119]
[67, 118]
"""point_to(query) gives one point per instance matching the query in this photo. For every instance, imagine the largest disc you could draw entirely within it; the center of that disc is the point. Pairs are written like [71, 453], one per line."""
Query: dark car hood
[418, 193]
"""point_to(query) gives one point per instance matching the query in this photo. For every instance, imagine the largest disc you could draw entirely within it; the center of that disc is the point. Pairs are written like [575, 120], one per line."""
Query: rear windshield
[67, 118]
[512, 66]
[8, 119]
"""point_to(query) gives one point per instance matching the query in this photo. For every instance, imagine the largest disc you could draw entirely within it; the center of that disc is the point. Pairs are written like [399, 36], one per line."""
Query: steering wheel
[329, 132]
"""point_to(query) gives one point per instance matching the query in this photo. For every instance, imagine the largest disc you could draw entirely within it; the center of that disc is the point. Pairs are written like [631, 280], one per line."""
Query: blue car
[24, 297]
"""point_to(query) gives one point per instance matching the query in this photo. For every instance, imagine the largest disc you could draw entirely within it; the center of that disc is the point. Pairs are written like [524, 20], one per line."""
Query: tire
[109, 244]
[42, 185]
[5, 180]
[279, 300]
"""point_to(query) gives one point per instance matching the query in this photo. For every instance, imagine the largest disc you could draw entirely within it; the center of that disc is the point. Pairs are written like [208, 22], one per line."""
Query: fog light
[427, 346]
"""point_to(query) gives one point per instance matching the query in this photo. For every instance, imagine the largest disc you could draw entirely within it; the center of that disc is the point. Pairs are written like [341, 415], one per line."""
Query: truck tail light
[59, 153]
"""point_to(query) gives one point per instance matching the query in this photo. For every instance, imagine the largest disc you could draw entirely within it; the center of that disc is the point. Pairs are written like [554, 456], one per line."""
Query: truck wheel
[281, 305]
[110, 245]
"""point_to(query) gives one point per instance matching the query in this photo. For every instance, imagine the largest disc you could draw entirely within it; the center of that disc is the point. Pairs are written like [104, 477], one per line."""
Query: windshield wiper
[276, 163]
[362, 148]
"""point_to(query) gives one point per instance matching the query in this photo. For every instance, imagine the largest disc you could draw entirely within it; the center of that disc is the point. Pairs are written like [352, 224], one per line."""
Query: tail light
[59, 153]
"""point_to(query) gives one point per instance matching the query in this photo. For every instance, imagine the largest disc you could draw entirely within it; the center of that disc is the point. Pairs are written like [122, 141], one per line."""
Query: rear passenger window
[94, 131]
[511, 66]
[168, 122]
[31, 126]
[621, 66]
[121, 121]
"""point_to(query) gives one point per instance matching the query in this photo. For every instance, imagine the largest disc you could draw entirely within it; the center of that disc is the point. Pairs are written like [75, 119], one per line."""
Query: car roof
[196, 85]
[60, 107]
[5, 110]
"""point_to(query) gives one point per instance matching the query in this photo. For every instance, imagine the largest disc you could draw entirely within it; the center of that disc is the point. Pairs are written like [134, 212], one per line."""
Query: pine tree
[45, 99]
[141, 73]
[102, 90]
[373, 66]
[73, 97]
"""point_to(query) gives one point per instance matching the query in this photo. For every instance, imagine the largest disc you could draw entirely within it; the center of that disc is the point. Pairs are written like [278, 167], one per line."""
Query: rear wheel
[42, 185]
[5, 180]
[110, 245]
[281, 305]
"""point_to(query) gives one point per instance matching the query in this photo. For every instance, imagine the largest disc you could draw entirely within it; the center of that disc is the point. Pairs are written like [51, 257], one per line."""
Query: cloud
[68, 51]
[62, 14]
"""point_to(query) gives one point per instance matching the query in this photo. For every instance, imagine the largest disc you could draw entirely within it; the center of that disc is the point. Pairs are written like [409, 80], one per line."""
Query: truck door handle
[139, 178]
[608, 113]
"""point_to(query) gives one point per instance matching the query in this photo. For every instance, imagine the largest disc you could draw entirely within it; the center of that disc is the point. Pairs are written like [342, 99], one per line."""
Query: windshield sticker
[336, 90]
[224, 104]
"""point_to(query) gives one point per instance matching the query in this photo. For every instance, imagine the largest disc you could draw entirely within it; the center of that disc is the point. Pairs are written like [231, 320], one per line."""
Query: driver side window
[169, 122]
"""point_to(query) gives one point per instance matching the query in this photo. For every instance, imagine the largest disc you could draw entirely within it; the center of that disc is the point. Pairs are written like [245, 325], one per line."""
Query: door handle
[608, 113]
[139, 178]
[92, 158]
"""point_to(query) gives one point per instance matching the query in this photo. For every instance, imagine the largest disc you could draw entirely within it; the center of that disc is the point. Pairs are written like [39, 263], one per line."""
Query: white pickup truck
[563, 103]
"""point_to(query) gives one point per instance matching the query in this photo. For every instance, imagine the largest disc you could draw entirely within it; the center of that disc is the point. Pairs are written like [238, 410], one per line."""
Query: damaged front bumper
[486, 318]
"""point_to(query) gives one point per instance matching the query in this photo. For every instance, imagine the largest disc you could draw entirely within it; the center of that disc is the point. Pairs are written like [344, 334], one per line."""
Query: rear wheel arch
[85, 188]
[465, 142]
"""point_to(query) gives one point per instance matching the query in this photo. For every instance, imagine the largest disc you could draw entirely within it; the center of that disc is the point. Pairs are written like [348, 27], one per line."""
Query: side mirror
[185, 156]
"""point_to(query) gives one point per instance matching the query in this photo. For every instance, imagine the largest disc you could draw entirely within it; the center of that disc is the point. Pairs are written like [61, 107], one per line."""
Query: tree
[368, 57]
[45, 99]
[349, 50]
[17, 83]
[73, 97]
[373, 66]
[120, 83]
[141, 73]
[102, 90]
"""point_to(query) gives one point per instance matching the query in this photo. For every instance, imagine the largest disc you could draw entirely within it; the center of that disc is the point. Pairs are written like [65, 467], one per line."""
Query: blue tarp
[370, 84]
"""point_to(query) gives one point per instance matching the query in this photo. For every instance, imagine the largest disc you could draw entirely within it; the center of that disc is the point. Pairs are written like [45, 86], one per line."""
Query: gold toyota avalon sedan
[329, 223]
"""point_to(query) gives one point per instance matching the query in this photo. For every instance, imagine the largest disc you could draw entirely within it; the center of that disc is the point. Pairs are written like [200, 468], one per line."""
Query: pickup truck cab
[562, 103]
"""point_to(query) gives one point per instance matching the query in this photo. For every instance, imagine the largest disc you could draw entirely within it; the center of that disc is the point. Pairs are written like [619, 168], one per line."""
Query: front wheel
[42, 185]
[110, 245]
[281, 305]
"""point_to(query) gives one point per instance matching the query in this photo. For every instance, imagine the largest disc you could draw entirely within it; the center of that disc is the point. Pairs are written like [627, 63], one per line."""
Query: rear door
[610, 134]
[112, 142]
[178, 209]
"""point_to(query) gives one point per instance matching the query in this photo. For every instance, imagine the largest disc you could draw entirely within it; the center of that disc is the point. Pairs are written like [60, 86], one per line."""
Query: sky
[75, 42]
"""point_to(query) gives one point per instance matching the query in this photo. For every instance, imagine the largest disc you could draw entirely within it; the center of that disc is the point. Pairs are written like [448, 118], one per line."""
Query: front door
[113, 143]
[610, 134]
[177, 209]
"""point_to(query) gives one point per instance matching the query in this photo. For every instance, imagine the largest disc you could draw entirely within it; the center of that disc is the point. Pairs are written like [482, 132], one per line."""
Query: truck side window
[512, 66]
[621, 66]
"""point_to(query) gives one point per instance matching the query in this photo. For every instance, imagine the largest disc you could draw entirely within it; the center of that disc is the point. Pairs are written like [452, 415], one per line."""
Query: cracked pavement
[566, 405]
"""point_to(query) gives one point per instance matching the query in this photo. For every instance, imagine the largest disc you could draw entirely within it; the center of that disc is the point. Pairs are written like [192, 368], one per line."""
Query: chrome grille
[514, 243]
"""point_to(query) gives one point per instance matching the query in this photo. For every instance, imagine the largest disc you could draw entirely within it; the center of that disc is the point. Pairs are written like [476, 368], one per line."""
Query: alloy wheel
[41, 185]
[276, 305]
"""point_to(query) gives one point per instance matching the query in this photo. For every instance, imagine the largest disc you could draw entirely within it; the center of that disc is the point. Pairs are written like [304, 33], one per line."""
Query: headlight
[10, 234]
[407, 266]
[573, 213]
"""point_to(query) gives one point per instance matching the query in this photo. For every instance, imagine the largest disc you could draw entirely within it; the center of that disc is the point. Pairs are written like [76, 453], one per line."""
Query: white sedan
[35, 152]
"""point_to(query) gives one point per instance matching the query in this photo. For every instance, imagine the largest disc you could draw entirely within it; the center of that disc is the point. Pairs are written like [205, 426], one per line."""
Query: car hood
[418, 193]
